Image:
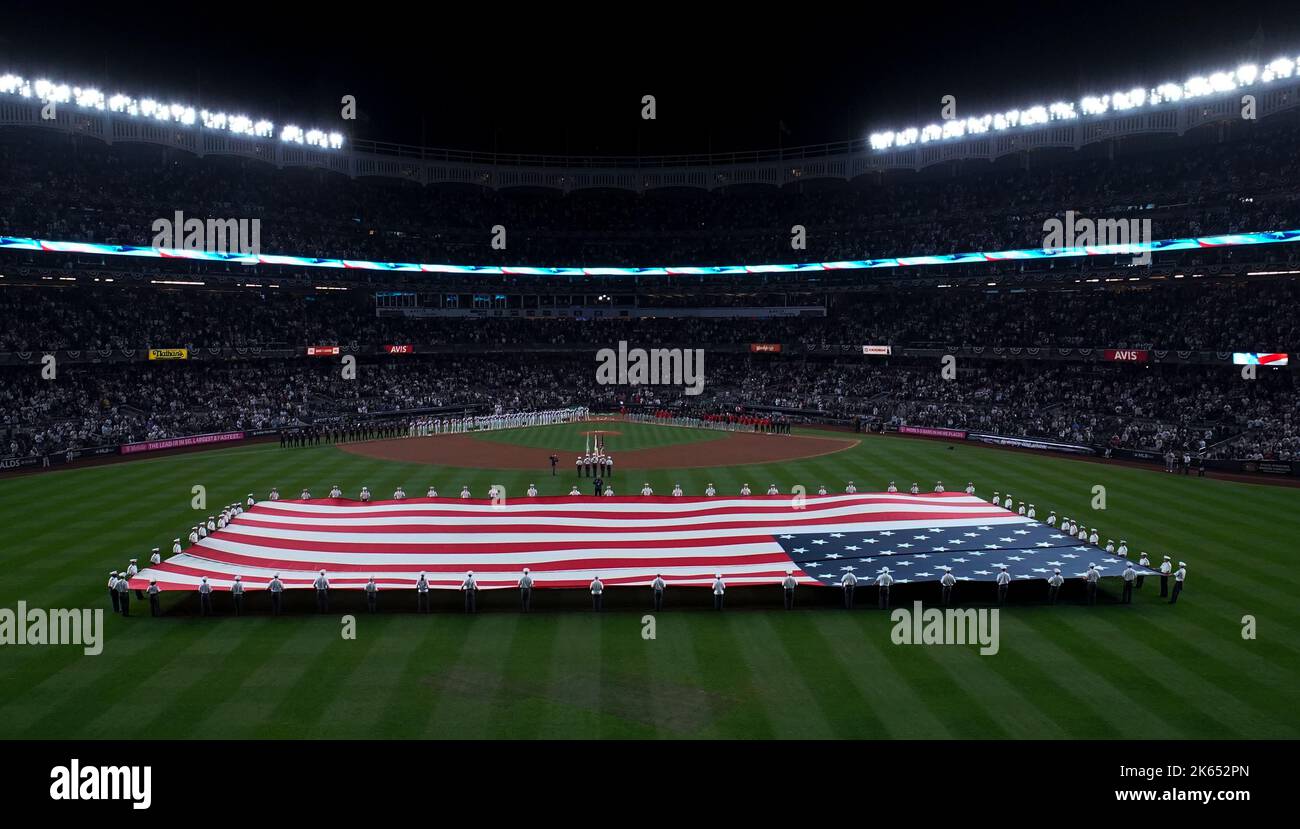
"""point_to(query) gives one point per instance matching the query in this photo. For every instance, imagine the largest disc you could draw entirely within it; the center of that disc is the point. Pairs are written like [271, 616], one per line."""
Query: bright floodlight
[1197, 86]
[178, 113]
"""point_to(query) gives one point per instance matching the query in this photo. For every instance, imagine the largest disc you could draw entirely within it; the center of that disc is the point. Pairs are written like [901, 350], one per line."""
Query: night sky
[557, 79]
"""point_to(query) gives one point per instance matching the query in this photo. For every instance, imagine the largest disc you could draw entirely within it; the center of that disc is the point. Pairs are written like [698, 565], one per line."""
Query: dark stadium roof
[565, 83]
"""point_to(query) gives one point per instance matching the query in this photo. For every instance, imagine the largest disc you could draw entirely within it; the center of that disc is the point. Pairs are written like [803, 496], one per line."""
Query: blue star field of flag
[975, 552]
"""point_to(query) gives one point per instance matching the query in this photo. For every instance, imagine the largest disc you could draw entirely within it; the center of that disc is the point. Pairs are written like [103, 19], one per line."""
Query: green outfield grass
[1147, 670]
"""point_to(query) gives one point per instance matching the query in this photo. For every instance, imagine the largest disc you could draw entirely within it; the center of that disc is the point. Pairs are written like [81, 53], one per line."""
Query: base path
[730, 449]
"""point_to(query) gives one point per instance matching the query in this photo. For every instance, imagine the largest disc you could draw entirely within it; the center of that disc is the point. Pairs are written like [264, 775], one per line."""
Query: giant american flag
[567, 541]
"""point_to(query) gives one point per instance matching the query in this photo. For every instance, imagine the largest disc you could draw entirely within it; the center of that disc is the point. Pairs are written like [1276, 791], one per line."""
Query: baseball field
[1146, 670]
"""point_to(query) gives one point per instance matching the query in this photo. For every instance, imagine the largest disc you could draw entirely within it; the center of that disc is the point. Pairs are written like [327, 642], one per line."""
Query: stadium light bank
[89, 98]
[1214, 84]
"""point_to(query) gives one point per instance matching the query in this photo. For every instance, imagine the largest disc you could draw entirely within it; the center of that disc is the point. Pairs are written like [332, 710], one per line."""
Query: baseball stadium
[973, 428]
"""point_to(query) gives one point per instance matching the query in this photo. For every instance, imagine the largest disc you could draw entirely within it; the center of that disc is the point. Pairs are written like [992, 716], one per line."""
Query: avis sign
[1126, 355]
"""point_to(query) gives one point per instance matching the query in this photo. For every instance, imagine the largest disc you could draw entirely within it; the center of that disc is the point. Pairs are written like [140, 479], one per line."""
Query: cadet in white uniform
[365, 493]
[970, 487]
[422, 594]
[772, 490]
[883, 581]
[432, 492]
[1123, 547]
[995, 500]
[719, 588]
[574, 490]
[275, 494]
[947, 582]
[597, 588]
[336, 491]
[1004, 584]
[112, 590]
[1180, 576]
[205, 597]
[890, 488]
[1143, 561]
[250, 502]
[469, 587]
[657, 591]
[788, 584]
[677, 490]
[131, 570]
[399, 494]
[277, 592]
[306, 495]
[1129, 575]
[372, 595]
[532, 490]
[176, 546]
[744, 489]
[1110, 546]
[1092, 577]
[938, 487]
[237, 594]
[849, 583]
[464, 492]
[1093, 537]
[821, 490]
[710, 490]
[609, 490]
[1054, 586]
[1051, 519]
[1033, 513]
[123, 596]
[1165, 569]
[153, 591]
[915, 488]
[1020, 510]
[322, 586]
[525, 591]
[850, 489]
[646, 490]
[1007, 502]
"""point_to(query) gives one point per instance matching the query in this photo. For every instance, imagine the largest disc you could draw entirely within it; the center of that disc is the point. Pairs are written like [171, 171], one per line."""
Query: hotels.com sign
[1128, 355]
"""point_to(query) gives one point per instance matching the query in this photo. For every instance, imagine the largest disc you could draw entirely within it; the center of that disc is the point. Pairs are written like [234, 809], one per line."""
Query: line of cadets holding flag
[119, 591]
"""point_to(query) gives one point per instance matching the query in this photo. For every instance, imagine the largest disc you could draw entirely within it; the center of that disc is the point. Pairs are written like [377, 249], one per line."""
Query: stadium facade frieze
[706, 171]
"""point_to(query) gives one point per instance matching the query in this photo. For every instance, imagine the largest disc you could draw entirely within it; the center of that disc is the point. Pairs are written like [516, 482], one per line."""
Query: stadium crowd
[1244, 180]
[1246, 316]
[1206, 410]
[1240, 179]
